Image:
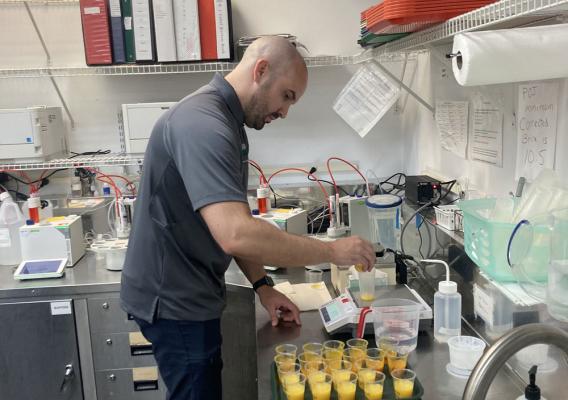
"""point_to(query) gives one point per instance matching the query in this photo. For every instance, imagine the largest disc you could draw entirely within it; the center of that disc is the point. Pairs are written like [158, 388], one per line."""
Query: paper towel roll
[511, 55]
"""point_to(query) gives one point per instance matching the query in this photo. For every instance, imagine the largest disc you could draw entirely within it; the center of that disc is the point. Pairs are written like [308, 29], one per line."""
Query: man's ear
[259, 70]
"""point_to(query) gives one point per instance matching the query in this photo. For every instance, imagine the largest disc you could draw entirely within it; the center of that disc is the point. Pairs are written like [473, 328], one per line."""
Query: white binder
[186, 19]
[164, 30]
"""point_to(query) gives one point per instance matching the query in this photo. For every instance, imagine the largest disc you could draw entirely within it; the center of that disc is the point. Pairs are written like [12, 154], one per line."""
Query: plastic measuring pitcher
[395, 321]
[538, 256]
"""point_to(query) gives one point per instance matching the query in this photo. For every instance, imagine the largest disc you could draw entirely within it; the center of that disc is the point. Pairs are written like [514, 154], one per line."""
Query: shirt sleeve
[206, 152]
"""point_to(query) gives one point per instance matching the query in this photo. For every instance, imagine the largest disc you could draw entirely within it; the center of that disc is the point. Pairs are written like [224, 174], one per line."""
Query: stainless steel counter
[429, 360]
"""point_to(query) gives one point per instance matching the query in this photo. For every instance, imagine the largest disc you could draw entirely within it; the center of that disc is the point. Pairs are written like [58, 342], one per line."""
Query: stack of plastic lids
[371, 39]
[404, 16]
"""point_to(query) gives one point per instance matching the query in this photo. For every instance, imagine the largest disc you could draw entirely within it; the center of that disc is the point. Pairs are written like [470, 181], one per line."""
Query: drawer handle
[105, 305]
[141, 350]
[112, 377]
[140, 386]
[109, 342]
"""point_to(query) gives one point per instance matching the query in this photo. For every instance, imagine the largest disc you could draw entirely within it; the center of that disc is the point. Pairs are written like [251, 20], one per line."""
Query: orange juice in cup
[295, 387]
[375, 359]
[346, 389]
[320, 385]
[373, 388]
[403, 382]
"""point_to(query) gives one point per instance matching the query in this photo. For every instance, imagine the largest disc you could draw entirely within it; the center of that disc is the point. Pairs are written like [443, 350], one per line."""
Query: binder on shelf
[130, 52]
[164, 30]
[96, 32]
[118, 54]
[186, 17]
[142, 24]
[216, 29]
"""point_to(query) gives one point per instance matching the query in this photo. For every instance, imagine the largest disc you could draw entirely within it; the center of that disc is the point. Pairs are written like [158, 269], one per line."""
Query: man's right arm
[243, 236]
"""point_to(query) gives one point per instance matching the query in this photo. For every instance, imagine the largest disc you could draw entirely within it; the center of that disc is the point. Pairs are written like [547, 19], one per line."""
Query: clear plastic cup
[465, 351]
[304, 358]
[396, 360]
[367, 285]
[333, 345]
[314, 275]
[320, 385]
[284, 363]
[365, 375]
[375, 359]
[287, 348]
[313, 347]
[295, 389]
[314, 367]
[403, 382]
[355, 356]
[339, 370]
[358, 343]
[373, 388]
[346, 388]
[285, 370]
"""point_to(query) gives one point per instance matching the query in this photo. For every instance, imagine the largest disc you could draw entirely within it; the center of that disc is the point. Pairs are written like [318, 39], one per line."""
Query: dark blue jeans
[188, 354]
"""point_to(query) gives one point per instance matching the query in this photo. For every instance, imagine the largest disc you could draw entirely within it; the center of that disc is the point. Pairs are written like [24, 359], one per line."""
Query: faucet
[498, 354]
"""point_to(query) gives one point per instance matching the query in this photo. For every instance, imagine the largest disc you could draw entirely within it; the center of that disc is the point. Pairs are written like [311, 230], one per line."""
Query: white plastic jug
[11, 219]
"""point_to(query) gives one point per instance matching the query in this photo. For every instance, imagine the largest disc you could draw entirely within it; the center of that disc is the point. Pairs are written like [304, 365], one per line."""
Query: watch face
[269, 281]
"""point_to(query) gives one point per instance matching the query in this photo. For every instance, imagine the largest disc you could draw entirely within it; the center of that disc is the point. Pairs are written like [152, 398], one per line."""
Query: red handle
[361, 323]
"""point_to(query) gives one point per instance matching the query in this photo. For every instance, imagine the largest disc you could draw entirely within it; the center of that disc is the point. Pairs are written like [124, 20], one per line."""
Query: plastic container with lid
[384, 214]
[11, 219]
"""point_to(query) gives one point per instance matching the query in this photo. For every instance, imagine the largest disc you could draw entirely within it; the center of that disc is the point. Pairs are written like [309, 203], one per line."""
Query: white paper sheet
[366, 98]
[486, 137]
[536, 128]
[451, 118]
[306, 296]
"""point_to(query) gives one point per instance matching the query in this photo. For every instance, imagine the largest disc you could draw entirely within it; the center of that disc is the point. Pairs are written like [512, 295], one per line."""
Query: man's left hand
[278, 305]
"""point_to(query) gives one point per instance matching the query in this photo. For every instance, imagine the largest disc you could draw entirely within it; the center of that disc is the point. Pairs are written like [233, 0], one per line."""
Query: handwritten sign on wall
[536, 128]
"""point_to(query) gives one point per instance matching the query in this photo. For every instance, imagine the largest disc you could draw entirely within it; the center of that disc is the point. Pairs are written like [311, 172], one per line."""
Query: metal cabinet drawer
[121, 350]
[105, 315]
[126, 384]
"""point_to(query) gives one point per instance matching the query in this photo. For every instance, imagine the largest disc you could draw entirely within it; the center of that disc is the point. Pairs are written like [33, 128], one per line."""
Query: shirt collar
[230, 96]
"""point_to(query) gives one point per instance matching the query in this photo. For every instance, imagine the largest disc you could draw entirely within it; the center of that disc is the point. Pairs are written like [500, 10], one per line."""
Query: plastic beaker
[465, 351]
[367, 285]
[396, 321]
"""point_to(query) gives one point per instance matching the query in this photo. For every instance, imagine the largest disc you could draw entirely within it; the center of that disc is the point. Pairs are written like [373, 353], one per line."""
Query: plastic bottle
[262, 194]
[11, 219]
[106, 189]
[447, 307]
[34, 204]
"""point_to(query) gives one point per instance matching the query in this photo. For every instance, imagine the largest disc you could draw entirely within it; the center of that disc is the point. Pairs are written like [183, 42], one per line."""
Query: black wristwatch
[265, 280]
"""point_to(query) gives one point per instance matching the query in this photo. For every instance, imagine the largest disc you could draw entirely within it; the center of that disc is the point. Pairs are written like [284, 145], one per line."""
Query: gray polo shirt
[196, 156]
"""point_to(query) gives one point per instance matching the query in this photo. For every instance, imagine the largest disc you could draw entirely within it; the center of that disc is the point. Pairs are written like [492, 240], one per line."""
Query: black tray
[388, 389]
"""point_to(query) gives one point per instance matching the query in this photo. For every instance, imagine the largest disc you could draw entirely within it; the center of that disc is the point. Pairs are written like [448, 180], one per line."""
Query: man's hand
[278, 305]
[353, 250]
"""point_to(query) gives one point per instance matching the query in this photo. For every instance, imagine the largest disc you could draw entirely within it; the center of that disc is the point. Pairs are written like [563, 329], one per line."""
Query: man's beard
[257, 109]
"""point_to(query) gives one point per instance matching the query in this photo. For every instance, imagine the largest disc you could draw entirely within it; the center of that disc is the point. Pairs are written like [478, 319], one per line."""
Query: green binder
[126, 6]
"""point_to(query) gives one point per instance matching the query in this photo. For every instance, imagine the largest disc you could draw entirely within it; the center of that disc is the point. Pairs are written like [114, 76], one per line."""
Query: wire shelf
[143, 69]
[107, 160]
[502, 14]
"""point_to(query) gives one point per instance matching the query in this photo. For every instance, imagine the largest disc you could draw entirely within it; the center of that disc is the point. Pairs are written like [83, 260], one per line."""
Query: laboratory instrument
[342, 314]
[11, 219]
[384, 214]
[31, 134]
[422, 189]
[57, 237]
[138, 120]
[355, 216]
[39, 269]
[447, 307]
[532, 391]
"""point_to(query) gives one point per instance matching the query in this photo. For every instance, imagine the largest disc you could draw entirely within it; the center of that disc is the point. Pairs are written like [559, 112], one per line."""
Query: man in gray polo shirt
[192, 218]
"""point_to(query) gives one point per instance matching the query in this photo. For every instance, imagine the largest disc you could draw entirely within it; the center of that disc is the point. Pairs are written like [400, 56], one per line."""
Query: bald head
[270, 78]
[276, 50]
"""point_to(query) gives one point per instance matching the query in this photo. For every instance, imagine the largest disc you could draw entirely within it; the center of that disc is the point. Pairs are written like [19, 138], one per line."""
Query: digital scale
[342, 313]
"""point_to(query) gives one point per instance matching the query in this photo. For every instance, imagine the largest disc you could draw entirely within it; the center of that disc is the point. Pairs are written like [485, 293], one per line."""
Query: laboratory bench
[109, 359]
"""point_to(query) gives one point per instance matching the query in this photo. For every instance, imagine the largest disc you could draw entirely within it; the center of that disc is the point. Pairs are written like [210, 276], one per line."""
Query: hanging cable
[352, 166]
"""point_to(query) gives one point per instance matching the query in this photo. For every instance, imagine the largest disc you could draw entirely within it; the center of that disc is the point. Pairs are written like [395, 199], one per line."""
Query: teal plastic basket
[486, 241]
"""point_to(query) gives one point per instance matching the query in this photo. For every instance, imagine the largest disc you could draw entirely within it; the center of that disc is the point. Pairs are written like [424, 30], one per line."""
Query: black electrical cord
[420, 236]
[37, 180]
[89, 153]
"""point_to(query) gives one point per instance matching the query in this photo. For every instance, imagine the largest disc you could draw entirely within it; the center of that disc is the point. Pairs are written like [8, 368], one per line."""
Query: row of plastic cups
[372, 384]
